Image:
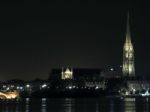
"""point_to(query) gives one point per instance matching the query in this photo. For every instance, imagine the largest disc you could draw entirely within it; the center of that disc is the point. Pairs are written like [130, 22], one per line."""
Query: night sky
[38, 36]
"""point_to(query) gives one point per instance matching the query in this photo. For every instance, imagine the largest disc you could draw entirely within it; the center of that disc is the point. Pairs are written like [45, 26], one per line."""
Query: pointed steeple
[128, 53]
[128, 33]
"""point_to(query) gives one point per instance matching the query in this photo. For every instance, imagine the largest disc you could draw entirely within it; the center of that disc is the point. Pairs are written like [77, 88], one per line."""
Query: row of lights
[74, 87]
[27, 86]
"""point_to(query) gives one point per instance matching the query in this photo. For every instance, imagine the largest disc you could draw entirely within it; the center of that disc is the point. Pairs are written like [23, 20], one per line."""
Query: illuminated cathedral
[67, 73]
[128, 54]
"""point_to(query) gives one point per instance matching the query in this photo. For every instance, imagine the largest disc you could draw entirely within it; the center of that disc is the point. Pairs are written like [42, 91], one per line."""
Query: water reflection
[111, 105]
[68, 105]
[43, 105]
[145, 104]
[17, 107]
[27, 105]
[9, 106]
[97, 107]
[129, 105]
[77, 105]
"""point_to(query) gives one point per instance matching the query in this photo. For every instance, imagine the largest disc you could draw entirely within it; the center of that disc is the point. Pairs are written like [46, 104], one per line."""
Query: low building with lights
[138, 86]
[75, 74]
[77, 78]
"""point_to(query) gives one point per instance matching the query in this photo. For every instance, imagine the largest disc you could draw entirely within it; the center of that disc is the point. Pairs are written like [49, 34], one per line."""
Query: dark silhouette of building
[78, 74]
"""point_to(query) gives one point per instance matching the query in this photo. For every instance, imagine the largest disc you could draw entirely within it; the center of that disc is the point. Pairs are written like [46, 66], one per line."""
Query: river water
[104, 104]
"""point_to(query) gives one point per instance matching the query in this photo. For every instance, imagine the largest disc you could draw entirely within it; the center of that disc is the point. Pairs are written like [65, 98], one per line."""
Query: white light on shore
[44, 85]
[27, 85]
[70, 87]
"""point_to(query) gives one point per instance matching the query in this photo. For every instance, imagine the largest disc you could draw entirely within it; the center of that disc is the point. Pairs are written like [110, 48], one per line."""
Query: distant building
[138, 85]
[88, 74]
[75, 74]
[77, 78]
[128, 54]
[67, 73]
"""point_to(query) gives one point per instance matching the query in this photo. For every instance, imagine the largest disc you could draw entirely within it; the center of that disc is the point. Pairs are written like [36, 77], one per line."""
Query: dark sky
[38, 36]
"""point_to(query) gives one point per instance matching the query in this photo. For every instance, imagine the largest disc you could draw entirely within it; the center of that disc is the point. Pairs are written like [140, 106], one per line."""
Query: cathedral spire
[128, 53]
[128, 33]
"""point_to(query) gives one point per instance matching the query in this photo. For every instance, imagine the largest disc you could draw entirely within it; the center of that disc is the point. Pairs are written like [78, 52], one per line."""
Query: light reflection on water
[110, 104]
[43, 105]
[68, 105]
[129, 105]
[27, 104]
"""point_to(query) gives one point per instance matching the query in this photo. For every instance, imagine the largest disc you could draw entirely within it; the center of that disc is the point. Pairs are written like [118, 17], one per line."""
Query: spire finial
[128, 34]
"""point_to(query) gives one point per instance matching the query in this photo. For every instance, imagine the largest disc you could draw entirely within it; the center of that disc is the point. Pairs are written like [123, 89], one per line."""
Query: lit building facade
[67, 73]
[128, 54]
[77, 78]
[86, 74]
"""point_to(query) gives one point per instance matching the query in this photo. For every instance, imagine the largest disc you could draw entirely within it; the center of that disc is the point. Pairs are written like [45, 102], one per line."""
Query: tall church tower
[128, 54]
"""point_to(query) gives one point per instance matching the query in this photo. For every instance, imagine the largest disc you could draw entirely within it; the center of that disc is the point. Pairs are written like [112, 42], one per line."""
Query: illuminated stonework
[128, 54]
[9, 95]
[66, 74]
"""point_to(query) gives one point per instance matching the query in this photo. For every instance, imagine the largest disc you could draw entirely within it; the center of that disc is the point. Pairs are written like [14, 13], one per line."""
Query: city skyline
[36, 37]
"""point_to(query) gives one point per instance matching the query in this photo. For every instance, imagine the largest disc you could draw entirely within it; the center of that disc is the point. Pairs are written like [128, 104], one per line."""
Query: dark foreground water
[107, 104]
